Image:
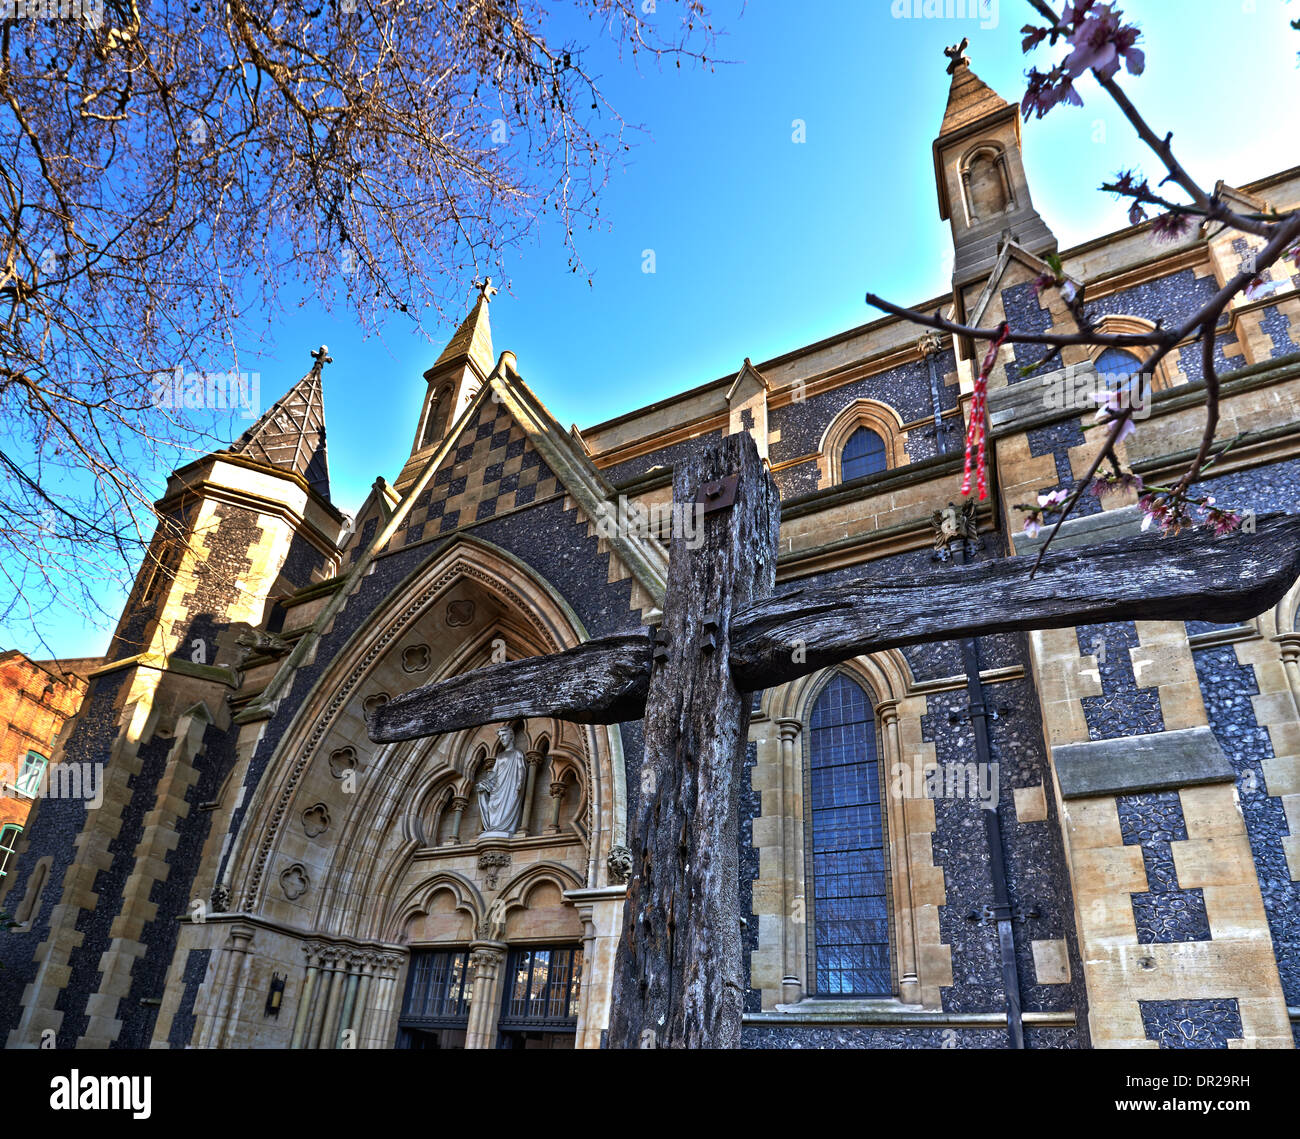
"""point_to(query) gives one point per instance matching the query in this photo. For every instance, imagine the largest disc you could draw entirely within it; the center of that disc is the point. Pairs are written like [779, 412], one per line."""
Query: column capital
[887, 711]
[534, 758]
[789, 728]
[459, 802]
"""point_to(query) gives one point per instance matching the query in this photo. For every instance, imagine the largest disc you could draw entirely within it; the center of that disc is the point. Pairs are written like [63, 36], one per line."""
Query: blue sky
[763, 244]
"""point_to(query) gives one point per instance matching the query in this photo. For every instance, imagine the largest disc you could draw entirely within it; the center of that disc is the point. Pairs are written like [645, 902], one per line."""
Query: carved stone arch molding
[363, 855]
[418, 901]
[514, 895]
[870, 413]
[914, 881]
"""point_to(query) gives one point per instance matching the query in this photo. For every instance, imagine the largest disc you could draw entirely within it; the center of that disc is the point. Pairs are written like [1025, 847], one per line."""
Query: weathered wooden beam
[597, 682]
[1144, 578]
[678, 975]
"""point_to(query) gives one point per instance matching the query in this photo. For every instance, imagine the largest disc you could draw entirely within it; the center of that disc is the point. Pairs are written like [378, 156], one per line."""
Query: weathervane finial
[957, 55]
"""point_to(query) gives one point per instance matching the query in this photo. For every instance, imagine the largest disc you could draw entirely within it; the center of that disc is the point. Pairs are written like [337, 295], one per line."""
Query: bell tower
[983, 192]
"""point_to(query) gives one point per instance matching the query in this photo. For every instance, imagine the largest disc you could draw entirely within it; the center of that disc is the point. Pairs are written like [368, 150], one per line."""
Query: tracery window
[435, 1012]
[540, 1006]
[849, 933]
[863, 454]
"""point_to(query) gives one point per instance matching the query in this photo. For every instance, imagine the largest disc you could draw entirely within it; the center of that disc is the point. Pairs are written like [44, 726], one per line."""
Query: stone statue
[501, 790]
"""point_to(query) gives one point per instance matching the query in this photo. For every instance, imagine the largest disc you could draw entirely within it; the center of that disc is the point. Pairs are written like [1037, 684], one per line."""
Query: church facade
[1064, 839]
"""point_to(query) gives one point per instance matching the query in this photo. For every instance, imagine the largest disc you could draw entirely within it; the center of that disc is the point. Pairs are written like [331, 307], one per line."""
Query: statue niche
[501, 790]
[988, 189]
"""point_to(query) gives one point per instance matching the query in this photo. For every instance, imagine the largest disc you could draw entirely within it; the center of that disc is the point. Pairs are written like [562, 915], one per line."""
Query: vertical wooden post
[678, 979]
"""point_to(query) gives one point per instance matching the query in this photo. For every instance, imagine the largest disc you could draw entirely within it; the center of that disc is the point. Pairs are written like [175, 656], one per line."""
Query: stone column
[486, 958]
[909, 983]
[353, 979]
[241, 940]
[794, 910]
[601, 912]
[305, 996]
[327, 1002]
[375, 1030]
[361, 1016]
[458, 805]
[1289, 643]
[534, 759]
[557, 798]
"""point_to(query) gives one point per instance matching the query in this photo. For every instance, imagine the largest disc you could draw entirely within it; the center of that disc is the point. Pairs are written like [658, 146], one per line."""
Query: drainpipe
[1000, 910]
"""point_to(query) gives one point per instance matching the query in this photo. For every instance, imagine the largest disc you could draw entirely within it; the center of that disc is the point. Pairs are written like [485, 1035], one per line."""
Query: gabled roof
[484, 425]
[290, 436]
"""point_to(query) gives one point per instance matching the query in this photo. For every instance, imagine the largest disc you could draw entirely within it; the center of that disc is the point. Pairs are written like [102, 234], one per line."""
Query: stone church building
[1075, 838]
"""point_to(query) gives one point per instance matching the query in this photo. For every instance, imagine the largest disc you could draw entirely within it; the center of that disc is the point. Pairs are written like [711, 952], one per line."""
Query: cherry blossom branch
[1057, 339]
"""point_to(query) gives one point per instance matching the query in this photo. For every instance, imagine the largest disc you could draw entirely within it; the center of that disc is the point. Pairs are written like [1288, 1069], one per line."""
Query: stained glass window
[863, 454]
[850, 914]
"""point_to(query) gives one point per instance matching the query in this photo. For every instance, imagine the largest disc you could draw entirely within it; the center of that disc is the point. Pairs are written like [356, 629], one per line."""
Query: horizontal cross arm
[597, 682]
[1145, 578]
[1188, 576]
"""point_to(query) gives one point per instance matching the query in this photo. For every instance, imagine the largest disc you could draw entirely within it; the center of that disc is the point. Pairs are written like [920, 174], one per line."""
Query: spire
[980, 175]
[969, 97]
[290, 436]
[456, 376]
[473, 340]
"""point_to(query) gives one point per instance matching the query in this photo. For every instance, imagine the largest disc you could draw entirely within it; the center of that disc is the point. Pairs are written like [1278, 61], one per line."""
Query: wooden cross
[725, 634]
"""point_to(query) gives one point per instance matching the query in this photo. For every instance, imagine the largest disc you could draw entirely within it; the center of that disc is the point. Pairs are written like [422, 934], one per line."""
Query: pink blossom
[1033, 37]
[1033, 525]
[1172, 226]
[1259, 285]
[1109, 484]
[1055, 498]
[1112, 408]
[1100, 42]
[1136, 214]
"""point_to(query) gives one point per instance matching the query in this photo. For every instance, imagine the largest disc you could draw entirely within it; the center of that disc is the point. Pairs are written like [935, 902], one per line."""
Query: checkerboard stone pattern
[492, 470]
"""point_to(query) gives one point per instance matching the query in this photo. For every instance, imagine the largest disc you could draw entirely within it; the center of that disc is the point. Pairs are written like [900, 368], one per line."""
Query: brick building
[36, 699]
[260, 873]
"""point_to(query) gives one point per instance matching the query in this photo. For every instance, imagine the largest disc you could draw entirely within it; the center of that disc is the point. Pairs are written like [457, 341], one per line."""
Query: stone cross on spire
[957, 55]
[486, 290]
[322, 357]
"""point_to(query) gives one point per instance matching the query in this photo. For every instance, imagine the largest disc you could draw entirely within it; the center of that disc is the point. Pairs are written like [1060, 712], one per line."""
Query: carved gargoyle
[257, 641]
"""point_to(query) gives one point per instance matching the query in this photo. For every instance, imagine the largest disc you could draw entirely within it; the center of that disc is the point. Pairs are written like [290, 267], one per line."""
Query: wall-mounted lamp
[276, 995]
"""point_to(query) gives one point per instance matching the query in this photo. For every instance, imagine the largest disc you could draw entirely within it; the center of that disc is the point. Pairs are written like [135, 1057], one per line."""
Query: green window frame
[8, 841]
[29, 778]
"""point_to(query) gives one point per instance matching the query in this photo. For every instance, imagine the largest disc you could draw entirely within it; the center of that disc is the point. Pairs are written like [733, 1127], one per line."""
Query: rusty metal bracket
[710, 641]
[719, 494]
